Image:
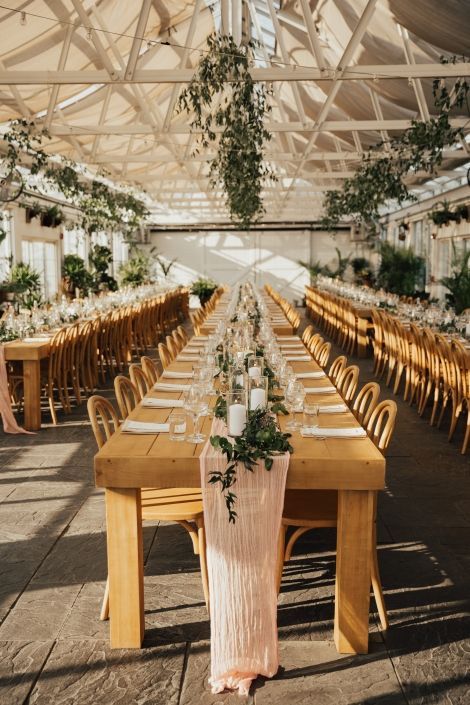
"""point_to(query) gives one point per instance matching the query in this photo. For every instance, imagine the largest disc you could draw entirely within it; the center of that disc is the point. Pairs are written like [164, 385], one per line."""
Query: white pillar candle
[236, 419]
[467, 330]
[254, 371]
[257, 399]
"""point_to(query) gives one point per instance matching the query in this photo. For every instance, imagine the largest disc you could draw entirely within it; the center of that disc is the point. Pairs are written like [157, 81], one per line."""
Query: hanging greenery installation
[228, 109]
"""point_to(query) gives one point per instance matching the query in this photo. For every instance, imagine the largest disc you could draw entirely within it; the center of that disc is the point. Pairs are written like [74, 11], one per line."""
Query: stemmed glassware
[196, 404]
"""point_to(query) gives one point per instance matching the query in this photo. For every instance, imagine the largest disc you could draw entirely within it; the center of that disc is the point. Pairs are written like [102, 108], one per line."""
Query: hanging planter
[223, 96]
[51, 217]
[402, 231]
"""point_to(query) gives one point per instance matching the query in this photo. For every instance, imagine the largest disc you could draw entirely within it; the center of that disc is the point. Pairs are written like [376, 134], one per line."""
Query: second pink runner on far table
[242, 559]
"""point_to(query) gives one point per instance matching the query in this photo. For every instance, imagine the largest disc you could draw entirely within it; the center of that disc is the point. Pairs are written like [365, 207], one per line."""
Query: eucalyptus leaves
[223, 95]
[101, 206]
[419, 148]
[261, 441]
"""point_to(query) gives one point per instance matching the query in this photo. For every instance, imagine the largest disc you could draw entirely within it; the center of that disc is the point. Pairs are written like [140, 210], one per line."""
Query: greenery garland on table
[222, 94]
[261, 441]
[419, 148]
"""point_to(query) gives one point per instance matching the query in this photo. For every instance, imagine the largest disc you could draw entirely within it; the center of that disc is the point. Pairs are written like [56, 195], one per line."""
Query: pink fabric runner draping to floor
[9, 421]
[241, 560]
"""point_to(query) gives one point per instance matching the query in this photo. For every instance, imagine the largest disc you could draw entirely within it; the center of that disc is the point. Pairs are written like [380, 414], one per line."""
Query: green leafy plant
[458, 282]
[136, 271]
[341, 267]
[100, 258]
[380, 178]
[51, 217]
[166, 266]
[27, 284]
[362, 271]
[314, 269]
[204, 288]
[222, 95]
[400, 270]
[261, 441]
[76, 275]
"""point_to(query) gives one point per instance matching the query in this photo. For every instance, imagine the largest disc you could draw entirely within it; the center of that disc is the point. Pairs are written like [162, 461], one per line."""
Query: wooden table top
[22, 350]
[131, 460]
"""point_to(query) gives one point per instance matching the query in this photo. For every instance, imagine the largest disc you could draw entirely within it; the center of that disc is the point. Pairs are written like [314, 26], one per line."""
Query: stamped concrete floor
[54, 650]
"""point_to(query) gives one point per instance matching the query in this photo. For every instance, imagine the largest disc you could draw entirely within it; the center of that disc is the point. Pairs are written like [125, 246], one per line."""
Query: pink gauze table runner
[9, 421]
[242, 559]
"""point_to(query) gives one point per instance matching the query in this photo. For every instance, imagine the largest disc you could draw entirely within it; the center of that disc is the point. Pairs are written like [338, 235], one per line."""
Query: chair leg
[104, 614]
[203, 561]
[467, 434]
[377, 585]
[295, 536]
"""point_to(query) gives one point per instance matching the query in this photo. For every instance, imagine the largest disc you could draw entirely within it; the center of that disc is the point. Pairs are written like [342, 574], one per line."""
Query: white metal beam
[64, 52]
[137, 42]
[10, 77]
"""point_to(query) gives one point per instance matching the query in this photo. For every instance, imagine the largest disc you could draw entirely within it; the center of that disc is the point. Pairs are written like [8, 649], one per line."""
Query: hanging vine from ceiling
[418, 149]
[101, 206]
[222, 94]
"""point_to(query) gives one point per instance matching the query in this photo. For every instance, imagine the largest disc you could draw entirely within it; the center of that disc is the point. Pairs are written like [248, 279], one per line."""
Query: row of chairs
[289, 311]
[335, 315]
[435, 369]
[306, 510]
[199, 316]
[182, 505]
[85, 354]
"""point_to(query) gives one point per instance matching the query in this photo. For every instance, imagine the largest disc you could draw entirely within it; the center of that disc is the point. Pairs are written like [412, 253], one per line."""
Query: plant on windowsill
[51, 217]
[229, 108]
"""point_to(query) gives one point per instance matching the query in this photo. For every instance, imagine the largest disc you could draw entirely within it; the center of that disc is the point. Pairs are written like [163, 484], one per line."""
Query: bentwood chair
[127, 395]
[165, 355]
[150, 368]
[182, 505]
[314, 509]
[347, 382]
[365, 402]
[337, 366]
[139, 379]
[172, 347]
[323, 354]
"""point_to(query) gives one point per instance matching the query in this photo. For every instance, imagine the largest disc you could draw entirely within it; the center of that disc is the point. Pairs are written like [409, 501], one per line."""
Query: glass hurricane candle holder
[236, 412]
[255, 366]
[257, 392]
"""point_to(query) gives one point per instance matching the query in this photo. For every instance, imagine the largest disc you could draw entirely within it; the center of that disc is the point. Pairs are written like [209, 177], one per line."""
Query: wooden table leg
[361, 334]
[125, 568]
[353, 571]
[32, 394]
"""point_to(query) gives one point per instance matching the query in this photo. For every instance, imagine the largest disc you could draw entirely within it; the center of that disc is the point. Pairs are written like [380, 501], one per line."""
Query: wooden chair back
[323, 354]
[347, 382]
[139, 379]
[103, 418]
[164, 354]
[150, 368]
[337, 366]
[365, 402]
[127, 395]
[382, 423]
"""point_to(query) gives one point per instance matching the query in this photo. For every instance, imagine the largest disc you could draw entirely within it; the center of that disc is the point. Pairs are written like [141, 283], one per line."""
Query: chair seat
[173, 504]
[310, 508]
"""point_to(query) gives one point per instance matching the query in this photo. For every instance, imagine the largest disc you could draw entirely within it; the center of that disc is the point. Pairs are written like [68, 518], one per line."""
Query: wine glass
[196, 404]
[294, 391]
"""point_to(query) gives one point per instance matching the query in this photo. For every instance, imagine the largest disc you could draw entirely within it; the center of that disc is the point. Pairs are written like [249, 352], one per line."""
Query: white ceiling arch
[104, 77]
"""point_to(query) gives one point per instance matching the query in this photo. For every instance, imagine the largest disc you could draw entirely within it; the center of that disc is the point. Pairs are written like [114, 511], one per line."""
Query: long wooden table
[30, 354]
[128, 463]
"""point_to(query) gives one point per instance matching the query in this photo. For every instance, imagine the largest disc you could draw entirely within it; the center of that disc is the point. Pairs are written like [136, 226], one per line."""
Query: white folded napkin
[332, 408]
[167, 387]
[196, 343]
[335, 432]
[298, 358]
[310, 375]
[281, 338]
[154, 403]
[292, 346]
[177, 375]
[320, 390]
[39, 339]
[191, 350]
[187, 358]
[143, 427]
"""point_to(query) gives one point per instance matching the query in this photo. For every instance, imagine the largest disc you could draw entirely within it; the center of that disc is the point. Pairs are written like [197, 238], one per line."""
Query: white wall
[262, 257]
